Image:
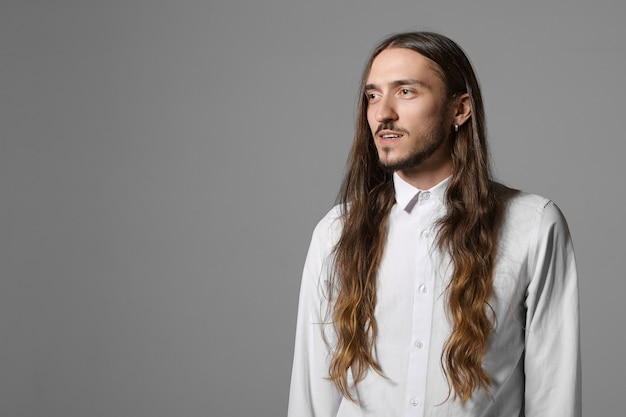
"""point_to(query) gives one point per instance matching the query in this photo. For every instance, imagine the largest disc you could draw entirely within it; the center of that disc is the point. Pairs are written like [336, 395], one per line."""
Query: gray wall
[163, 163]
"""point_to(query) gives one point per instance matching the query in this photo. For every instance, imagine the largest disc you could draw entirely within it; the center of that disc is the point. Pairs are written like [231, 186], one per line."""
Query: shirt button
[414, 402]
[425, 233]
[423, 288]
[419, 344]
[425, 195]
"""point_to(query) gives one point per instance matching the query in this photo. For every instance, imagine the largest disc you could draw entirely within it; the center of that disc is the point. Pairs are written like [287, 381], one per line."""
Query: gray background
[163, 163]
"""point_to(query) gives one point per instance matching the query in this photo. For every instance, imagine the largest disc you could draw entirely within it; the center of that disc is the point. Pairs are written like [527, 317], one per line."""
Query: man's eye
[372, 96]
[405, 91]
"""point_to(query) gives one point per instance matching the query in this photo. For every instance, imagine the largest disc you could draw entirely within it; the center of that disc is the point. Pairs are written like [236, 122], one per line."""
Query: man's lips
[388, 135]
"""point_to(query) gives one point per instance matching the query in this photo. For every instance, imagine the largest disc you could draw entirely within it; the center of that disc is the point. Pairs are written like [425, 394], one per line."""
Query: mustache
[389, 126]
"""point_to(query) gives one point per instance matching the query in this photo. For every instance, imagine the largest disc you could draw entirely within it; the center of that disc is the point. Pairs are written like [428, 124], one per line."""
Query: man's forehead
[393, 64]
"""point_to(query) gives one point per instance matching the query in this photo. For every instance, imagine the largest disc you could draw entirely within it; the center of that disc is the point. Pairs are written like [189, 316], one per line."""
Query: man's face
[407, 111]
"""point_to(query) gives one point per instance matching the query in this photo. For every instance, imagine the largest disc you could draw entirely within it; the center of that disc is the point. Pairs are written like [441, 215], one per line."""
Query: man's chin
[398, 164]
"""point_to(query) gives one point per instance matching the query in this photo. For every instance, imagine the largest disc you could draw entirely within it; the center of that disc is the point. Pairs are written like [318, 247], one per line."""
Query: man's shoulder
[531, 216]
[521, 202]
[329, 227]
[333, 215]
[524, 205]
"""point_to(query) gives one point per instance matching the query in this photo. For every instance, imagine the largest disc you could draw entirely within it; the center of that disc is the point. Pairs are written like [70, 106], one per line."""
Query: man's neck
[425, 179]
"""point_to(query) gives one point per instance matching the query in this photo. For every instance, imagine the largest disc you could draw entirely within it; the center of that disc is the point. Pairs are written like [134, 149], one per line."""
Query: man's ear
[462, 109]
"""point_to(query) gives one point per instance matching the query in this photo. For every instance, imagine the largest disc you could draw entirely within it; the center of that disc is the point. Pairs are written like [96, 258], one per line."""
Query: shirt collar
[405, 192]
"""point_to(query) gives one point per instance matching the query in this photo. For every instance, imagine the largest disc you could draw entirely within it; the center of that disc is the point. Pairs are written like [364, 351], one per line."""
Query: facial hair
[429, 143]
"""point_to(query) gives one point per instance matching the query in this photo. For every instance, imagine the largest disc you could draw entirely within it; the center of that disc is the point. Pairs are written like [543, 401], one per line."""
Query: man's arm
[312, 393]
[552, 359]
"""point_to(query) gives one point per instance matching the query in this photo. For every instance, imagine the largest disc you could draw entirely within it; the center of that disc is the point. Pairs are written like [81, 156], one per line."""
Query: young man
[432, 290]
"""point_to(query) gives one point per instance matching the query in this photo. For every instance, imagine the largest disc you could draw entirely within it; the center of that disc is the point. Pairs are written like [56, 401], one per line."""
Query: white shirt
[533, 357]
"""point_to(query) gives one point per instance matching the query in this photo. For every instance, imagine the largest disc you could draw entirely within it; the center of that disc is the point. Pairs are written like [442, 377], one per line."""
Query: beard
[430, 142]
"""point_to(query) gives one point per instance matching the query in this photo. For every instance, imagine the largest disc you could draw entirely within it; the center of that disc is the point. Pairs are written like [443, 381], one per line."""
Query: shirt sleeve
[552, 359]
[312, 394]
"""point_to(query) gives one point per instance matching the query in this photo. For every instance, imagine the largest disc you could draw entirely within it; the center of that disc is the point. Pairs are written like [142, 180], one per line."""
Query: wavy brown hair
[468, 233]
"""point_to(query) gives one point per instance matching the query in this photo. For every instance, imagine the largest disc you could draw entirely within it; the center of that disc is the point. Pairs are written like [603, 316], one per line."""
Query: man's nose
[386, 111]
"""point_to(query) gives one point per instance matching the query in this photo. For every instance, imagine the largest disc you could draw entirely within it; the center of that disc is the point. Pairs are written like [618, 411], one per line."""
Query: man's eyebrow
[398, 83]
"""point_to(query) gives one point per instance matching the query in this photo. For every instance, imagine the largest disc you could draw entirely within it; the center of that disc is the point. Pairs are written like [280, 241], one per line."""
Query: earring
[456, 128]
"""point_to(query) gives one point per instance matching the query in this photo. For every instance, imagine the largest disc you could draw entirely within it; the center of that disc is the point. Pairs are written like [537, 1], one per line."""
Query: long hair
[468, 233]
